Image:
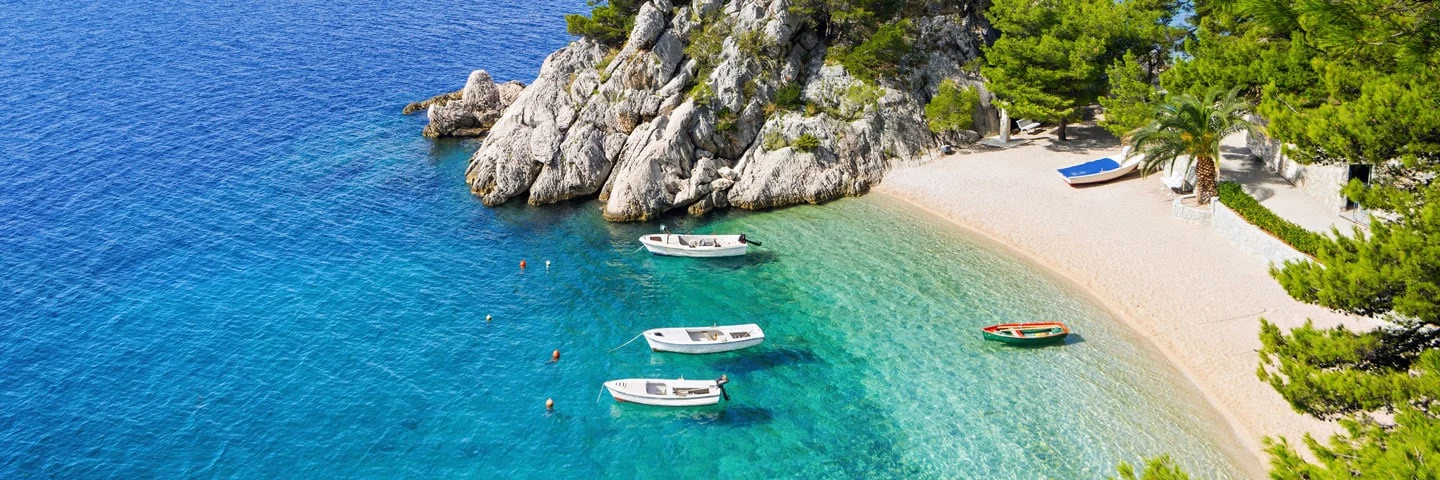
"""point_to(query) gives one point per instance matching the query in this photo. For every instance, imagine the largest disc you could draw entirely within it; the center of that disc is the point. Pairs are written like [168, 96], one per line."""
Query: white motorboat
[668, 393]
[683, 245]
[704, 339]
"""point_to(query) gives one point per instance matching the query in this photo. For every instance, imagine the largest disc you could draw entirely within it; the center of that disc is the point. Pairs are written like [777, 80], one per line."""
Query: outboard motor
[720, 383]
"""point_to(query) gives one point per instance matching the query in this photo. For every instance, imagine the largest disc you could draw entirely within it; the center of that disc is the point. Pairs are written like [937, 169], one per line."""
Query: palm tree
[1188, 126]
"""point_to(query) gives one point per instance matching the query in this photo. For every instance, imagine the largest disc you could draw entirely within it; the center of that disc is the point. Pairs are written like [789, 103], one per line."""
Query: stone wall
[1195, 215]
[1321, 182]
[1251, 238]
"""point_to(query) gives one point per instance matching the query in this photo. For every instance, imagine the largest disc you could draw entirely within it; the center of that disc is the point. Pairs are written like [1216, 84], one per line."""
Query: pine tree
[1377, 63]
[1130, 104]
[1339, 81]
[1049, 60]
[952, 109]
[1348, 81]
[1394, 273]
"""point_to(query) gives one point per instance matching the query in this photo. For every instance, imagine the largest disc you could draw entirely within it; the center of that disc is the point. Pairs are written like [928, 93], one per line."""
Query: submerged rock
[651, 127]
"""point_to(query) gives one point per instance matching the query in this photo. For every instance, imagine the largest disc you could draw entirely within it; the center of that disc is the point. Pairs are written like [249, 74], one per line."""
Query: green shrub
[952, 109]
[773, 140]
[862, 97]
[609, 58]
[609, 21]
[705, 45]
[753, 43]
[806, 143]
[750, 88]
[702, 93]
[878, 56]
[604, 65]
[1234, 197]
[788, 97]
[724, 120]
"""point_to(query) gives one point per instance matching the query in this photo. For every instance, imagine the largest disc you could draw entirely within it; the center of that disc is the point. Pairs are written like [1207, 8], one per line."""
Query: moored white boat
[668, 393]
[681, 245]
[715, 339]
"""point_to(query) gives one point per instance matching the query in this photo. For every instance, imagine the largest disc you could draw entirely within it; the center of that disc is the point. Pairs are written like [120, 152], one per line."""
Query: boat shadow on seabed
[763, 357]
[734, 416]
[1071, 339]
[754, 258]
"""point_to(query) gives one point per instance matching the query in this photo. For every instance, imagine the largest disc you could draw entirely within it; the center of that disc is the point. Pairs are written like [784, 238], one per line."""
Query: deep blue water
[223, 253]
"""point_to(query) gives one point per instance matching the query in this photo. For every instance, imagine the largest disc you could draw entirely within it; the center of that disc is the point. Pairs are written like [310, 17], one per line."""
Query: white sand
[1192, 293]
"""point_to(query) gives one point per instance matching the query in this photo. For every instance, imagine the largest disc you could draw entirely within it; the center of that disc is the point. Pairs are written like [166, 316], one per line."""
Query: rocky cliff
[685, 114]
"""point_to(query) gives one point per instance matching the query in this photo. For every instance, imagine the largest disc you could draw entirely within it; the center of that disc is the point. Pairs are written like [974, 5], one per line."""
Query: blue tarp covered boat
[1100, 170]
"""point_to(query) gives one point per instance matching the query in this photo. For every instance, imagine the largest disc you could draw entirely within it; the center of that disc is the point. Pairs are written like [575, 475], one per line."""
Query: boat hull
[634, 390]
[1104, 176]
[700, 340]
[1046, 333]
[671, 245]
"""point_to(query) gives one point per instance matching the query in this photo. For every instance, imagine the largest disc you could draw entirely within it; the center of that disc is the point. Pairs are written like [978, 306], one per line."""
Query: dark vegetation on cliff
[871, 38]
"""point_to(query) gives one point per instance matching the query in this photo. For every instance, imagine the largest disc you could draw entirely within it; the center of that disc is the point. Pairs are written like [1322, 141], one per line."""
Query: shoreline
[1188, 293]
[1250, 459]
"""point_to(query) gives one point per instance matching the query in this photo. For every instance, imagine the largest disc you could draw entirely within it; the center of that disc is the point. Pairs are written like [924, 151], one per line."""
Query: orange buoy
[555, 357]
[522, 264]
[549, 404]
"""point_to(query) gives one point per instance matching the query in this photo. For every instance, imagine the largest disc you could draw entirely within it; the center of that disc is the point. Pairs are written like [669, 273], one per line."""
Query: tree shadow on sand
[1083, 138]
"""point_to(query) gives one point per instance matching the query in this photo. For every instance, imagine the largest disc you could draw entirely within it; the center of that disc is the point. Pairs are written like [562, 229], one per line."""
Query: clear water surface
[223, 253]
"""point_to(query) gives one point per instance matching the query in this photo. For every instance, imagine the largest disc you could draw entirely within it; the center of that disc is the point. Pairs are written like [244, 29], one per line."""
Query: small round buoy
[547, 264]
[522, 264]
[487, 318]
[555, 357]
[549, 404]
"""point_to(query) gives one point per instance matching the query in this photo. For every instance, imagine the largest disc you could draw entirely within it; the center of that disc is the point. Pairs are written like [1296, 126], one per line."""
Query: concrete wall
[1321, 182]
[1251, 238]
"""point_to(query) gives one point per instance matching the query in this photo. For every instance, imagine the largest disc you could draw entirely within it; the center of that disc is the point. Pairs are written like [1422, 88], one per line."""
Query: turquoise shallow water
[225, 254]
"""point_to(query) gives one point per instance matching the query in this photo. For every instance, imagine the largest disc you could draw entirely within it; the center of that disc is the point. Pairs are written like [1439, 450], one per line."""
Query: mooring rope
[627, 343]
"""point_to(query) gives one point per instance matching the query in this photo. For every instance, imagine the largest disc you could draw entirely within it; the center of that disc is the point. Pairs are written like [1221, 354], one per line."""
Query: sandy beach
[1192, 293]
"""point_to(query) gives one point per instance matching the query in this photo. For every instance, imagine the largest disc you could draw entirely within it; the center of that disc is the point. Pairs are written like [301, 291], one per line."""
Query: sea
[224, 253]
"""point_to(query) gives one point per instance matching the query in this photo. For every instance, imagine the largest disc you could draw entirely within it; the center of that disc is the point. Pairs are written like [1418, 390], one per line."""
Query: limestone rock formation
[469, 112]
[655, 126]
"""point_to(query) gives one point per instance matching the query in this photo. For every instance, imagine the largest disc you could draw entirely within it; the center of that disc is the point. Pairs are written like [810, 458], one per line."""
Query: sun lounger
[1179, 180]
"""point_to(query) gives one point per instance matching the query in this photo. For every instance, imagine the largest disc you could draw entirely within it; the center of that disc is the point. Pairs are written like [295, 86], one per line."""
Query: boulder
[469, 112]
